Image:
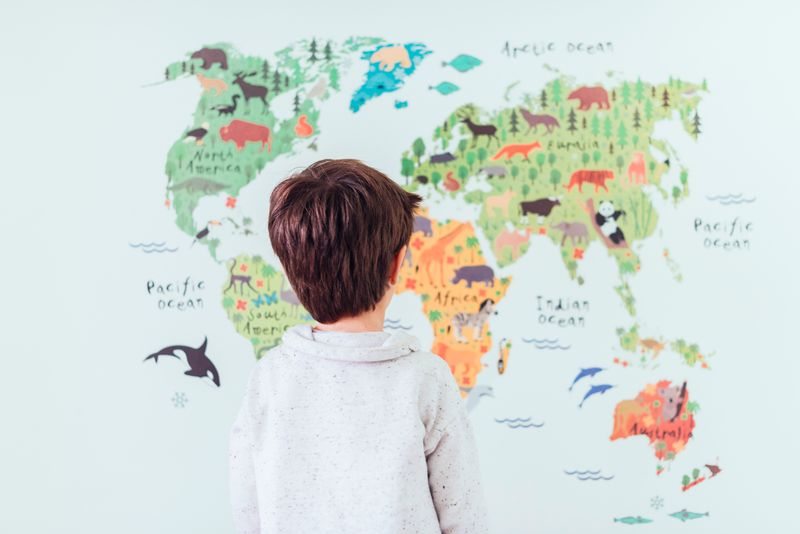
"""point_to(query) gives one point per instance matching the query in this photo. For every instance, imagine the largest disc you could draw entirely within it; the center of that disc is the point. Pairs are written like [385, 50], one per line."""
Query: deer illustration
[250, 90]
[478, 130]
[436, 253]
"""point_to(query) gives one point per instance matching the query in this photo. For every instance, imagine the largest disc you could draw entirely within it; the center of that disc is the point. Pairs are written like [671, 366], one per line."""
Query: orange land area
[429, 271]
[659, 412]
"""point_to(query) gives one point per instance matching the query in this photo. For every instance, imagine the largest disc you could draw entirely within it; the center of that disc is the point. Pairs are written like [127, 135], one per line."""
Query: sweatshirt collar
[301, 339]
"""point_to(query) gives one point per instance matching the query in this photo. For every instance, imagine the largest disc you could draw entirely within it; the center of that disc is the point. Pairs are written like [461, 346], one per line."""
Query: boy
[346, 428]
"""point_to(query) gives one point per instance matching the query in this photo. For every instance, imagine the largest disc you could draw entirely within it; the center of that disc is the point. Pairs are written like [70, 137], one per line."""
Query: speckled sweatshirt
[346, 433]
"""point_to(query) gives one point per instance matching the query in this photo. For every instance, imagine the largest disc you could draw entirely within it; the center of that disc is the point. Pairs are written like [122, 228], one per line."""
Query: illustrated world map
[579, 165]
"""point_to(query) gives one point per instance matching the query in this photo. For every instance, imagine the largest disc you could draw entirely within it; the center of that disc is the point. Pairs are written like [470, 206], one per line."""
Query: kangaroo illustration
[509, 151]
[199, 364]
[436, 253]
[241, 278]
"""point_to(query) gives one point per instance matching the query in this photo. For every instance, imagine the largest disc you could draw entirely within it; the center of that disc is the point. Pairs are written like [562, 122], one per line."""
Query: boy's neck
[366, 322]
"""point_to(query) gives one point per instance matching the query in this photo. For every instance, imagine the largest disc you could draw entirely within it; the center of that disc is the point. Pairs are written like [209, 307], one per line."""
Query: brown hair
[336, 226]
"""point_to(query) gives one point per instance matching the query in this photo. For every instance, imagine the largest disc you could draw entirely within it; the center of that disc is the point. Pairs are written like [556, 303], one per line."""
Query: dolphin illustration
[199, 364]
[475, 394]
[602, 388]
[588, 371]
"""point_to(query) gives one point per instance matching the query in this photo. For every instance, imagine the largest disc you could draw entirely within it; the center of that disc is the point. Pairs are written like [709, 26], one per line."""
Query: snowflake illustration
[180, 400]
[657, 502]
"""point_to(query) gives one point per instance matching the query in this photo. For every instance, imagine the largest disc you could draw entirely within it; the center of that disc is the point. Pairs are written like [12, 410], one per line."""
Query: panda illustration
[606, 218]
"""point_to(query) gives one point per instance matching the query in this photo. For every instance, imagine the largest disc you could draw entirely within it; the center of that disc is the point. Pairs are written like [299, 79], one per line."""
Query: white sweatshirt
[353, 433]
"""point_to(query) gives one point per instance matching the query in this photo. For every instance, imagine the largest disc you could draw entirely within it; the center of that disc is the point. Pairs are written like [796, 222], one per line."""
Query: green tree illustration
[407, 168]
[532, 174]
[572, 118]
[462, 173]
[555, 178]
[333, 76]
[696, 125]
[622, 135]
[470, 159]
[638, 94]
[482, 155]
[513, 122]
[543, 99]
[540, 159]
[313, 49]
[595, 125]
[418, 147]
[328, 52]
[556, 89]
[626, 94]
[472, 245]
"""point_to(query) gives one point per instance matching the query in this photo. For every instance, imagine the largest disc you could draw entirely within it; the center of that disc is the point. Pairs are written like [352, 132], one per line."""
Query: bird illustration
[197, 134]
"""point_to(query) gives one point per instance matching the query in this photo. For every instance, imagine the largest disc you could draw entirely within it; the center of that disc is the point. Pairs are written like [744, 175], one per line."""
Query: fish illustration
[588, 371]
[685, 515]
[400, 104]
[445, 88]
[630, 520]
[602, 388]
[199, 364]
[198, 184]
[463, 62]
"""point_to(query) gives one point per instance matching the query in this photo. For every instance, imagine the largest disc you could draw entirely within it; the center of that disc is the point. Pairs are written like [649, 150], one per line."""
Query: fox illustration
[509, 151]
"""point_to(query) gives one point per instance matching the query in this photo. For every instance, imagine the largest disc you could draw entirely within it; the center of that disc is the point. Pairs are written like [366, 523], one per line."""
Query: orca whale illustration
[199, 364]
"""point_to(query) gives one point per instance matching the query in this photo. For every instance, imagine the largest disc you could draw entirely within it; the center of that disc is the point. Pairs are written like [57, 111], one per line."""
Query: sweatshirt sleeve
[244, 498]
[454, 473]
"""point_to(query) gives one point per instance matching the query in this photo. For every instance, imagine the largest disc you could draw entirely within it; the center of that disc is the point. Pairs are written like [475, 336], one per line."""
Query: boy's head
[337, 227]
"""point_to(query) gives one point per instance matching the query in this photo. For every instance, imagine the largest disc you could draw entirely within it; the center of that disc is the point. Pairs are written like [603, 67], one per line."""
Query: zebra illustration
[472, 320]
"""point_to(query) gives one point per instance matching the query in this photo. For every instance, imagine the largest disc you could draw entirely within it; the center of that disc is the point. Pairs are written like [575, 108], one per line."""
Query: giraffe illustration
[436, 252]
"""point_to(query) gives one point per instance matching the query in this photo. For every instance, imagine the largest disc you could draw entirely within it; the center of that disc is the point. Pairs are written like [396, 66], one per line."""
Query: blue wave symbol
[394, 324]
[397, 326]
[149, 248]
[519, 422]
[547, 344]
[588, 474]
[726, 200]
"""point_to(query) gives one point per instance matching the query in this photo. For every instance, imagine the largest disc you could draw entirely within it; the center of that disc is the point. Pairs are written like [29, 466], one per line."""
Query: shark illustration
[199, 364]
[602, 388]
[589, 371]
